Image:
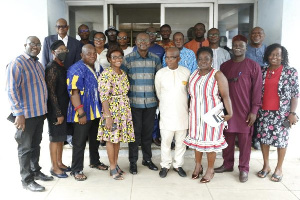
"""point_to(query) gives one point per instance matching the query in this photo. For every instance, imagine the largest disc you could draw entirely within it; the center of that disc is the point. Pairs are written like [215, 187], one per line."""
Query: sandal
[276, 178]
[195, 176]
[263, 174]
[99, 166]
[120, 171]
[79, 176]
[204, 180]
[114, 173]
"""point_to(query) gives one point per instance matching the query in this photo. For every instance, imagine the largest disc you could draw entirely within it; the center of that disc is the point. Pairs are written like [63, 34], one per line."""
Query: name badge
[184, 82]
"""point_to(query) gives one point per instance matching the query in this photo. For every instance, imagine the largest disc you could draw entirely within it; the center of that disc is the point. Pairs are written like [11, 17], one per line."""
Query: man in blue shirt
[255, 51]
[141, 67]
[187, 56]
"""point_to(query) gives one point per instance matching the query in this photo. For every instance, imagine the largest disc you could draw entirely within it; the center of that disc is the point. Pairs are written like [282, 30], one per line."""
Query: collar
[59, 38]
[139, 56]
[29, 57]
[173, 70]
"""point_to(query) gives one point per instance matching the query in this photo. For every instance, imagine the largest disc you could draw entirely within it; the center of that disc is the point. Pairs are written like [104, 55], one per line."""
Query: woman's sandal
[120, 171]
[195, 176]
[263, 174]
[79, 176]
[100, 166]
[276, 178]
[114, 173]
[204, 180]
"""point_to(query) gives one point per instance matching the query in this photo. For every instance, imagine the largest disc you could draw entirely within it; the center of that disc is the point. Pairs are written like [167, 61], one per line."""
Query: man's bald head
[173, 50]
[257, 36]
[32, 46]
[62, 20]
[89, 54]
[172, 57]
[62, 27]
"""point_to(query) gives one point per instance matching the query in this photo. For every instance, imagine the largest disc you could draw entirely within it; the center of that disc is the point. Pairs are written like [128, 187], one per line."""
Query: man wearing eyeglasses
[171, 90]
[220, 54]
[187, 56]
[245, 83]
[27, 92]
[141, 67]
[71, 43]
[123, 40]
[111, 34]
[84, 33]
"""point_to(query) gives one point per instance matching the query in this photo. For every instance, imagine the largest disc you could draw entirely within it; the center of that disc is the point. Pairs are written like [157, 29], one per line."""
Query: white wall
[56, 9]
[270, 19]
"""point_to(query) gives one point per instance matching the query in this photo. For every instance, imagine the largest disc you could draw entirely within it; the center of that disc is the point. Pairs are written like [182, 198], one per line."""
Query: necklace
[272, 72]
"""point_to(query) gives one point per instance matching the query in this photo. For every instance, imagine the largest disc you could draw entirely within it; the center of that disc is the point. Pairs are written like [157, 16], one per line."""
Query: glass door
[182, 17]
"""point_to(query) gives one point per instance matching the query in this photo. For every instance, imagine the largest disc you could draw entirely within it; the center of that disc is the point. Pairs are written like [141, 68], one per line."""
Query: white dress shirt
[65, 39]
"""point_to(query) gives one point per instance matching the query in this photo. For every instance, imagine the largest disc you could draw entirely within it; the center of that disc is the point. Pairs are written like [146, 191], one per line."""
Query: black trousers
[29, 148]
[81, 132]
[143, 122]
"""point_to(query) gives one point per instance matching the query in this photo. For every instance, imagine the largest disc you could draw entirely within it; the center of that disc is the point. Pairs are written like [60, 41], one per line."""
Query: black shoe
[156, 141]
[133, 168]
[163, 172]
[256, 144]
[150, 165]
[40, 176]
[180, 171]
[34, 187]
[173, 145]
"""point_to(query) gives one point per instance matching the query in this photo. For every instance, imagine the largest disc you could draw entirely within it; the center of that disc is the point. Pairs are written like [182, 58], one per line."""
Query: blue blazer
[72, 57]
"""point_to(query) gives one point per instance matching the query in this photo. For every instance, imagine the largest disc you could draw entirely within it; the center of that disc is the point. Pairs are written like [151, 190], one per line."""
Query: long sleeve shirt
[245, 83]
[26, 87]
[171, 90]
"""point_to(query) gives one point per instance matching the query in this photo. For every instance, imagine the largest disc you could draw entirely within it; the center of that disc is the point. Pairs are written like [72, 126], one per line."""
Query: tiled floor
[147, 184]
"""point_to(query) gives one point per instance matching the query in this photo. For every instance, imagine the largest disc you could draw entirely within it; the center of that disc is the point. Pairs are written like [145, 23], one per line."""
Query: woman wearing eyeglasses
[116, 121]
[206, 88]
[58, 99]
[99, 42]
[280, 94]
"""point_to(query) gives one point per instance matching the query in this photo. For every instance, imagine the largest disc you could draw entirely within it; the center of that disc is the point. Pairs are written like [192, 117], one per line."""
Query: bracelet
[82, 115]
[293, 113]
[106, 116]
[80, 106]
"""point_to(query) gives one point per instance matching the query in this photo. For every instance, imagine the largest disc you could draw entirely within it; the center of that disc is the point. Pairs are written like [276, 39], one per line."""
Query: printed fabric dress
[204, 95]
[114, 88]
[270, 129]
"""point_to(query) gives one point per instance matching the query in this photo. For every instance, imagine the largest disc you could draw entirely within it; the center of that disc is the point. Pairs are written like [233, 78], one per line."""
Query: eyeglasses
[143, 40]
[152, 33]
[99, 39]
[84, 31]
[32, 44]
[122, 38]
[235, 79]
[63, 26]
[213, 35]
[112, 33]
[171, 57]
[117, 57]
[61, 51]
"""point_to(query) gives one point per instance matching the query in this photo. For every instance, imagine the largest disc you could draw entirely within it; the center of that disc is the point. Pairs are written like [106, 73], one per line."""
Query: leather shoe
[243, 176]
[156, 141]
[62, 175]
[222, 169]
[163, 172]
[41, 176]
[180, 171]
[34, 187]
[150, 165]
[133, 168]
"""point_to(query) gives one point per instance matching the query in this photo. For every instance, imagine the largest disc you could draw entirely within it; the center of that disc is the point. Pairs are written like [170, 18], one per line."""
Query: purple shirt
[156, 49]
[245, 83]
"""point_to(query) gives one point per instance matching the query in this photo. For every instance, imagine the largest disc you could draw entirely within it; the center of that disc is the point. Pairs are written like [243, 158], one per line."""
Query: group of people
[110, 92]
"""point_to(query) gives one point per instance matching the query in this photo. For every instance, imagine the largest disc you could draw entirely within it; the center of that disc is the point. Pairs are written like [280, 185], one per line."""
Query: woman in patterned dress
[206, 87]
[279, 102]
[116, 121]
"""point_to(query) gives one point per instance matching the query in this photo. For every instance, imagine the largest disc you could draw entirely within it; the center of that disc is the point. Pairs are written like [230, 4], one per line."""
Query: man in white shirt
[171, 89]
[123, 40]
[220, 55]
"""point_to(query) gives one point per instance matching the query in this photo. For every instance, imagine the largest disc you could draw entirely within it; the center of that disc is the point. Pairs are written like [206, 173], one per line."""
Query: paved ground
[146, 184]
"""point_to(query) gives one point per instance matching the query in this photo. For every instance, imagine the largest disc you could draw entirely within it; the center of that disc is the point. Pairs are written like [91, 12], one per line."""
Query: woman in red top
[280, 93]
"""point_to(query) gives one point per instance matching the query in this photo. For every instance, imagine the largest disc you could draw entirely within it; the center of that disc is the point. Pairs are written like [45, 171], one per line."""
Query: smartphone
[286, 123]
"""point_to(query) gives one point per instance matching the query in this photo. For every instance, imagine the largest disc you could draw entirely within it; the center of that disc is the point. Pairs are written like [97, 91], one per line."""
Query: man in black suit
[71, 43]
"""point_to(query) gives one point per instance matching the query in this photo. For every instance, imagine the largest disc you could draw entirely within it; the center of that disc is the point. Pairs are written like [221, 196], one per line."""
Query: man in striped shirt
[141, 67]
[27, 92]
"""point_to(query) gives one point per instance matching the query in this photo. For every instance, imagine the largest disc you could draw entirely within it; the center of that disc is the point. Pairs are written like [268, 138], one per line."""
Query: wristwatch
[293, 113]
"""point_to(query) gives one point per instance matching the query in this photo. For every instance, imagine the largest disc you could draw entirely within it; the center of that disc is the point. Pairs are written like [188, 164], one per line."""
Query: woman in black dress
[58, 99]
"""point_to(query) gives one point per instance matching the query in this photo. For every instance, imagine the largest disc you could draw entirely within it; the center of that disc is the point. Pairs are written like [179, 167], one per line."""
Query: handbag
[214, 117]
